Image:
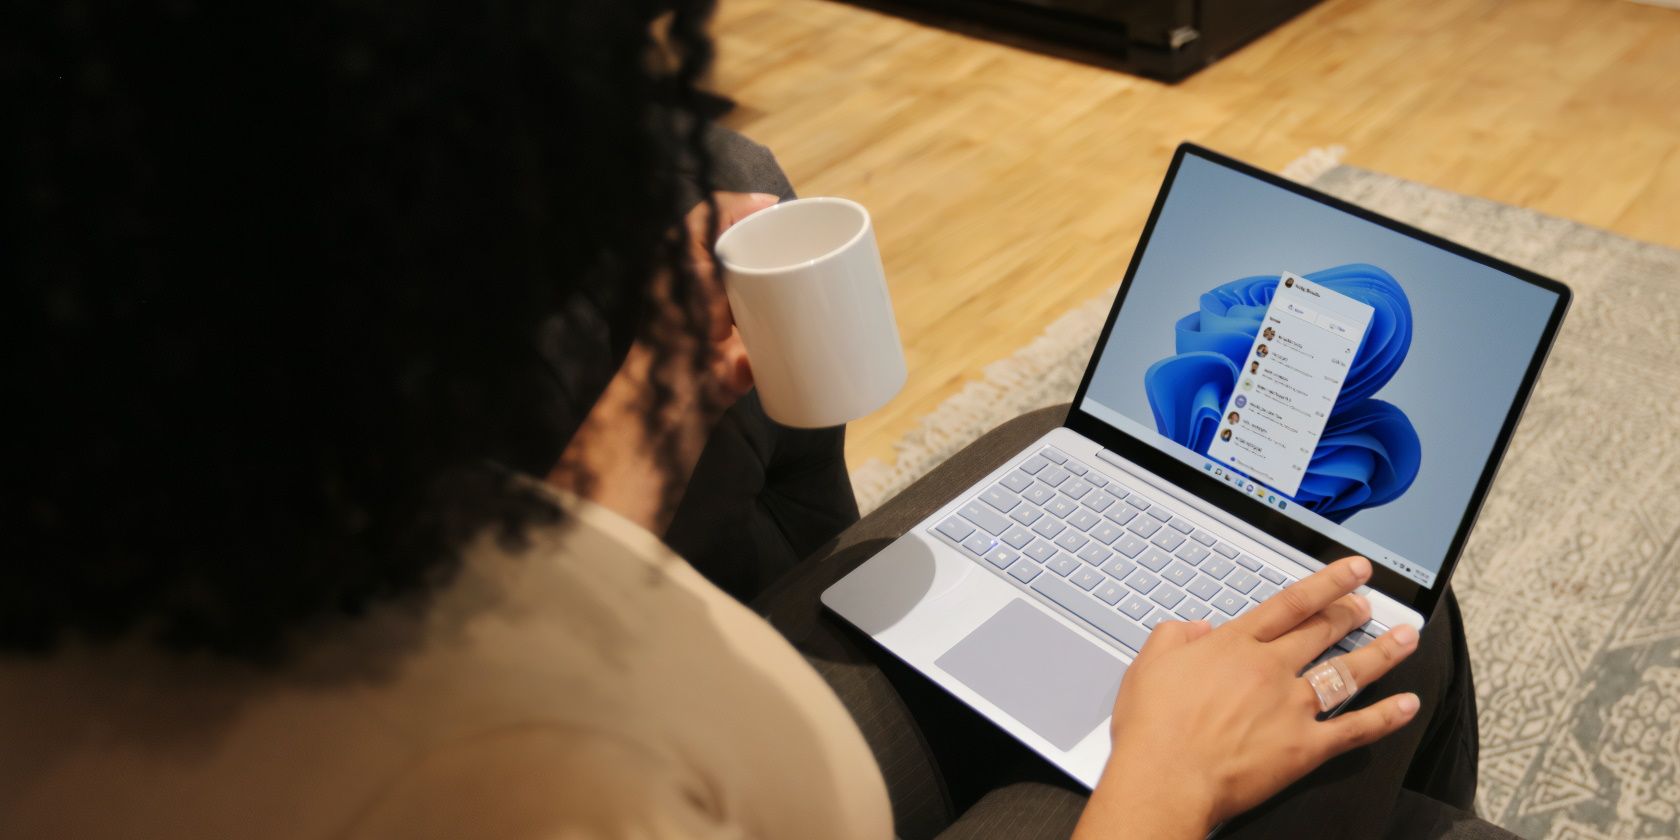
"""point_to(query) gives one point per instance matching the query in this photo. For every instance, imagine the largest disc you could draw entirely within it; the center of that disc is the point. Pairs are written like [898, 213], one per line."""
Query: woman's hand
[624, 456]
[1209, 723]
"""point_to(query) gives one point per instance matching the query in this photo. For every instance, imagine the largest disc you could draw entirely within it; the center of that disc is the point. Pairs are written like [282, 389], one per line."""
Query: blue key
[1072, 540]
[1191, 609]
[1091, 611]
[1084, 520]
[989, 520]
[955, 528]
[1086, 578]
[1034, 464]
[1018, 481]
[1168, 540]
[978, 544]
[1048, 527]
[1098, 501]
[1154, 559]
[1026, 514]
[1204, 587]
[1063, 564]
[1024, 571]
[1142, 581]
[1135, 606]
[1000, 497]
[1095, 554]
[1017, 537]
[1002, 557]
[1130, 545]
[1166, 595]
[1120, 514]
[1039, 550]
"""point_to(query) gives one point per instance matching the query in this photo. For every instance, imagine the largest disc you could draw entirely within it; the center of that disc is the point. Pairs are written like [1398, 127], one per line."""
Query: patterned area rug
[1571, 582]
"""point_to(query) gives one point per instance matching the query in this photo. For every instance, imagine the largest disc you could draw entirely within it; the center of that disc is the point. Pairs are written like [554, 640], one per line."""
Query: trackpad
[1044, 675]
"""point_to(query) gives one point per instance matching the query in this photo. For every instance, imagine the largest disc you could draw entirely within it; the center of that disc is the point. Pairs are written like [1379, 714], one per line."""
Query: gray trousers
[951, 774]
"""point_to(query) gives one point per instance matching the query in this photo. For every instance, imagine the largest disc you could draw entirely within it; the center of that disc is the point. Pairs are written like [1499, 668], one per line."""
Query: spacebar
[1092, 611]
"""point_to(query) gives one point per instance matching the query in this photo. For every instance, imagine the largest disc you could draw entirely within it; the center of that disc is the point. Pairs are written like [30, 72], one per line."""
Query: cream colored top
[591, 685]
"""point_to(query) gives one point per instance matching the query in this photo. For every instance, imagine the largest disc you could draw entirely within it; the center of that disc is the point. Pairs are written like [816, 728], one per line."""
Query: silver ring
[1332, 682]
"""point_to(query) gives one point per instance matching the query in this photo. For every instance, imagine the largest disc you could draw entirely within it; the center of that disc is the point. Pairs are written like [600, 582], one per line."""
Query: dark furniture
[1162, 39]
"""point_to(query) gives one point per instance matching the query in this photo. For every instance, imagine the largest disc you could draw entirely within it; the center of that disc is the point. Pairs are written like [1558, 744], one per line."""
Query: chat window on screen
[1289, 382]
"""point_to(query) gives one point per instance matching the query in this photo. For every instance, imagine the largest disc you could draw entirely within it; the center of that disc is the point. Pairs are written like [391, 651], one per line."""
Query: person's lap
[942, 761]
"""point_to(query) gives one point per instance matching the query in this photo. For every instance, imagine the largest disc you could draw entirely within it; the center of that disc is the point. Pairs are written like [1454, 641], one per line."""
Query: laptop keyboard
[1120, 560]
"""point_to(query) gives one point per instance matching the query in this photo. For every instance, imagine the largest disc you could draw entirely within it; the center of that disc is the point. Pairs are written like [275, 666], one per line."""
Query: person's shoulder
[543, 781]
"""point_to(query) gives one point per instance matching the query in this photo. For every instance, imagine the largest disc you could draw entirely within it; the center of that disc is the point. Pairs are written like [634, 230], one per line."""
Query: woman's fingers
[1324, 628]
[1286, 610]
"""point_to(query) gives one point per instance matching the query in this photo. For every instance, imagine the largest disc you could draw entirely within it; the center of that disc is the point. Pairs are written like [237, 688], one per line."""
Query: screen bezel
[1263, 517]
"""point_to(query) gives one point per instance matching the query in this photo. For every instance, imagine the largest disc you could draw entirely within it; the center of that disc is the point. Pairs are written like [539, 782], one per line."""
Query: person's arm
[1210, 723]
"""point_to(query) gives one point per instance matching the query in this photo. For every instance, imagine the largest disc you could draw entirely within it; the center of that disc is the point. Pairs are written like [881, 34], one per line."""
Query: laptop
[1285, 379]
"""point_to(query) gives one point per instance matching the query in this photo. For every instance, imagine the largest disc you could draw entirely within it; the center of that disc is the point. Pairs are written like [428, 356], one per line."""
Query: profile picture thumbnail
[1225, 435]
[1232, 418]
[1241, 401]
[1261, 351]
[1254, 366]
[1247, 384]
[1269, 333]
[1289, 282]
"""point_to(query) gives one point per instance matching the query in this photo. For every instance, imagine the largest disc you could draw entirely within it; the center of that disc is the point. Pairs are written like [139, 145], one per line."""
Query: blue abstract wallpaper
[1369, 453]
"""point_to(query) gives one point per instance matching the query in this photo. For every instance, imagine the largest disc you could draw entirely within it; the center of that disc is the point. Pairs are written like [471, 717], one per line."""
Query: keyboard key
[1155, 618]
[1060, 507]
[1135, 606]
[1161, 514]
[1168, 540]
[1120, 514]
[978, 544]
[1144, 527]
[1130, 545]
[1248, 562]
[955, 528]
[1048, 527]
[1110, 592]
[1034, 464]
[1077, 488]
[1038, 494]
[1204, 587]
[1018, 481]
[1026, 514]
[1074, 467]
[1191, 609]
[1002, 557]
[1084, 520]
[1179, 573]
[1138, 502]
[1191, 553]
[1098, 501]
[1096, 480]
[1224, 549]
[1091, 611]
[1153, 559]
[1086, 578]
[1119, 490]
[1017, 537]
[1202, 537]
[1142, 581]
[1106, 533]
[1216, 618]
[1094, 554]
[1063, 565]
[1119, 567]
[1218, 568]
[1264, 591]
[1229, 603]
[1039, 551]
[1271, 575]
[1243, 581]
[1167, 595]
[1000, 497]
[989, 520]
[1024, 571]
[1181, 525]
[1054, 476]
[1055, 455]
[1072, 540]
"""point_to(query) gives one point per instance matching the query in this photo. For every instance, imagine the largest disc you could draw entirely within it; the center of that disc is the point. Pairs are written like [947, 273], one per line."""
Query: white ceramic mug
[805, 283]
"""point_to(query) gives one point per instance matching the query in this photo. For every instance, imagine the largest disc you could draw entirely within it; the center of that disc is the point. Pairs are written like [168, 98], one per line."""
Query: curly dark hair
[301, 287]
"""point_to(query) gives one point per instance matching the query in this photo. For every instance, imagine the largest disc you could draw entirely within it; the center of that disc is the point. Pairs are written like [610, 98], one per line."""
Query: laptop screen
[1347, 375]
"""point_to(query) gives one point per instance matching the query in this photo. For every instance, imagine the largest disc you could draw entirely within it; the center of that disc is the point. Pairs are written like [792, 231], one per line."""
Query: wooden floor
[1009, 186]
